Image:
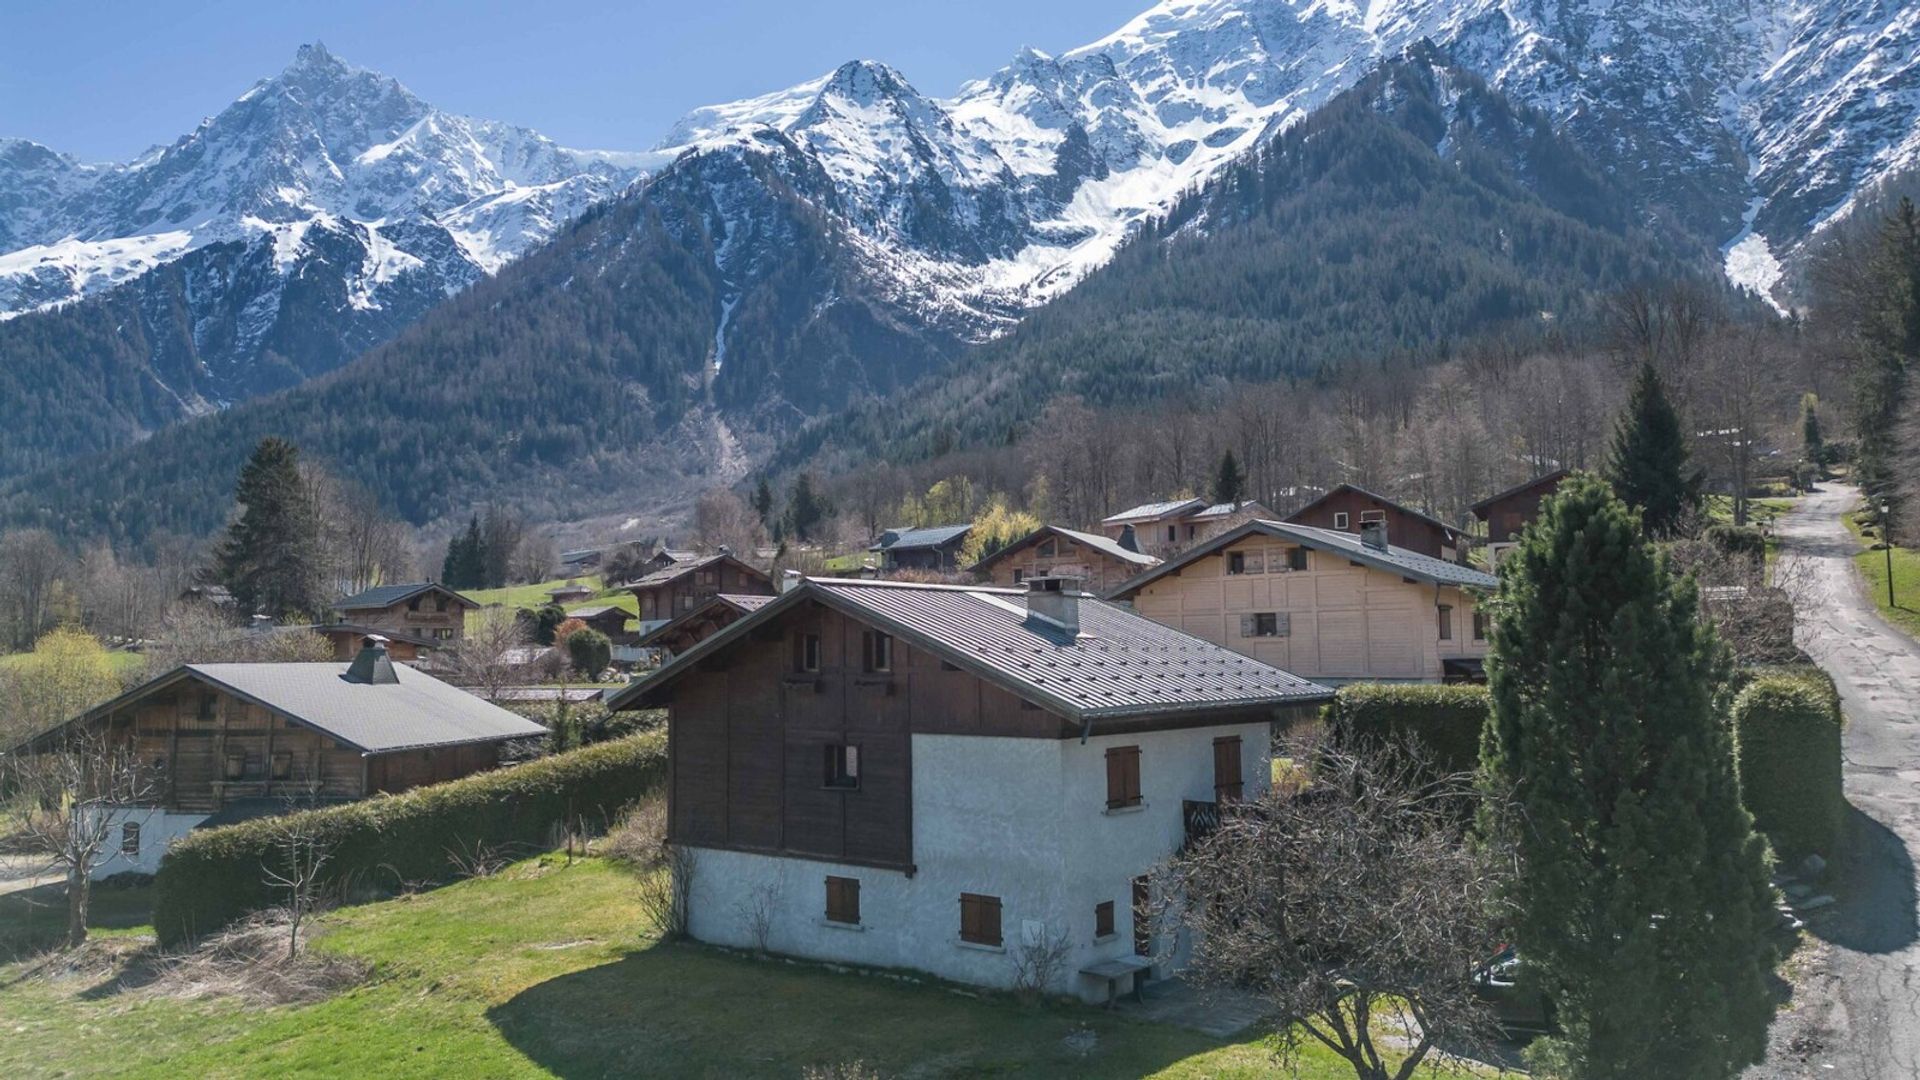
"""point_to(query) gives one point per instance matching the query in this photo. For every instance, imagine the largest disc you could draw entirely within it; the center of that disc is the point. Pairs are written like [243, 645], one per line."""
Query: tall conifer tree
[1643, 904]
[1647, 464]
[1230, 481]
[270, 559]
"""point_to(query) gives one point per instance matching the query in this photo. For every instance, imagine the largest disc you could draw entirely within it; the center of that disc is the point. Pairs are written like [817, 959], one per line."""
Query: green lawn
[1719, 509]
[123, 663]
[545, 971]
[1904, 610]
[533, 596]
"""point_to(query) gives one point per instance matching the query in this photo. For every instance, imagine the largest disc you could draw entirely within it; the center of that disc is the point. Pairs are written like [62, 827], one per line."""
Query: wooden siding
[675, 598]
[1100, 570]
[1404, 530]
[429, 621]
[1342, 621]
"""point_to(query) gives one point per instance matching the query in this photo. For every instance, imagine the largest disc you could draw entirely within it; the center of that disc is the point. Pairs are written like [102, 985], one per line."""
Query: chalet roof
[1103, 544]
[367, 631]
[595, 611]
[1377, 497]
[669, 574]
[1480, 508]
[416, 712]
[1119, 665]
[1222, 510]
[1150, 511]
[734, 601]
[915, 539]
[1396, 560]
[385, 596]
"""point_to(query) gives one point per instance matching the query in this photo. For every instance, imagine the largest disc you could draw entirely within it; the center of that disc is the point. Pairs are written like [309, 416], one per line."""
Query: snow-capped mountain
[321, 145]
[1726, 113]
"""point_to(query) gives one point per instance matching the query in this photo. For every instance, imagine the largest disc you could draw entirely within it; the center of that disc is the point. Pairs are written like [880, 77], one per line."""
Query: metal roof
[742, 604]
[385, 596]
[1103, 544]
[591, 612]
[1221, 510]
[912, 539]
[678, 570]
[417, 711]
[1119, 664]
[1149, 511]
[1394, 559]
[1377, 497]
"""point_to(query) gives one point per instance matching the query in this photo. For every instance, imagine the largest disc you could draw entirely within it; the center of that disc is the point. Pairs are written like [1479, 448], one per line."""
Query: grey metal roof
[911, 539]
[1220, 510]
[1154, 510]
[418, 711]
[1103, 544]
[680, 569]
[385, 596]
[1120, 664]
[1395, 559]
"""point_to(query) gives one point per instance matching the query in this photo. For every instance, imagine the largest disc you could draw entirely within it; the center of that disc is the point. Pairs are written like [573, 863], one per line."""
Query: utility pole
[1886, 537]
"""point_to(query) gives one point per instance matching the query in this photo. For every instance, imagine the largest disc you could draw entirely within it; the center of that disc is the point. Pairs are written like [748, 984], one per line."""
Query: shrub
[211, 878]
[1446, 720]
[590, 652]
[1786, 729]
[1745, 540]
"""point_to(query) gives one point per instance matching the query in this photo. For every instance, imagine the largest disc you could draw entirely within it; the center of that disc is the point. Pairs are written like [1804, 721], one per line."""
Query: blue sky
[105, 79]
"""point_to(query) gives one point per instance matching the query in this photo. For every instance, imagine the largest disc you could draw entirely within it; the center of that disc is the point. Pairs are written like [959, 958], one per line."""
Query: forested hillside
[1417, 212]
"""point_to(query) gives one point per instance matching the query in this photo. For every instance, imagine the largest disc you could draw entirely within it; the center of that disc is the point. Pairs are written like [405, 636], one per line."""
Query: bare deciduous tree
[301, 854]
[491, 654]
[1353, 904]
[80, 787]
[193, 634]
[722, 519]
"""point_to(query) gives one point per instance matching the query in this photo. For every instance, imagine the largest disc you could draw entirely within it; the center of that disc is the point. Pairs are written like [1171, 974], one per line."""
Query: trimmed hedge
[211, 878]
[1786, 731]
[1446, 720]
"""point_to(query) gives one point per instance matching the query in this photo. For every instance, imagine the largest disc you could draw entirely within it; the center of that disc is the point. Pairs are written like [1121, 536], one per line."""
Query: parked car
[1521, 1010]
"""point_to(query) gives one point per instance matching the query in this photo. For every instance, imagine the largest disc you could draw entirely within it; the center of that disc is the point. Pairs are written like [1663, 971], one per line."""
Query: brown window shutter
[1123, 777]
[1227, 776]
[1103, 919]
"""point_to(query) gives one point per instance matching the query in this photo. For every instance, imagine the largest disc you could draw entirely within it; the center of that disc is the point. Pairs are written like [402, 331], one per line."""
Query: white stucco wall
[158, 830]
[1021, 819]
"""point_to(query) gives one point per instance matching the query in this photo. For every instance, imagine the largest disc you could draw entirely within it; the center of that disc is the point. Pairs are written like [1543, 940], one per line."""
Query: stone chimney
[1374, 534]
[1053, 601]
[372, 667]
[1130, 540]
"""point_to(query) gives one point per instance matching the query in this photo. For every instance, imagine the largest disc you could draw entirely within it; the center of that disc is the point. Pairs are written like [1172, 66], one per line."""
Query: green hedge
[211, 878]
[1446, 720]
[1786, 729]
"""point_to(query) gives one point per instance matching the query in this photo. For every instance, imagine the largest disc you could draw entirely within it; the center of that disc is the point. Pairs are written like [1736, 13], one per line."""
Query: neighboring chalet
[1053, 551]
[224, 742]
[348, 638]
[713, 615]
[1327, 605]
[936, 549]
[1163, 528]
[1350, 509]
[609, 619]
[671, 592]
[1509, 513]
[933, 776]
[571, 593]
[425, 610]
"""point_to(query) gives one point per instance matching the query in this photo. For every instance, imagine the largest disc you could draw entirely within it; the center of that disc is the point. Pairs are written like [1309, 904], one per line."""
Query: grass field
[533, 596]
[1904, 610]
[1719, 509]
[544, 970]
[123, 663]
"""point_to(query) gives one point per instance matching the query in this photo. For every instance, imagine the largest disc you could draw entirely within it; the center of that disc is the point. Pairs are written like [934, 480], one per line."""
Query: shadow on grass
[1874, 890]
[687, 1010]
[35, 920]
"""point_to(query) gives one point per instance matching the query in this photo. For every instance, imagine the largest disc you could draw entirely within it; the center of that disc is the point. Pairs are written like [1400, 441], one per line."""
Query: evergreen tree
[1648, 461]
[1230, 482]
[807, 509]
[465, 566]
[1642, 905]
[1814, 444]
[763, 502]
[1890, 347]
[270, 559]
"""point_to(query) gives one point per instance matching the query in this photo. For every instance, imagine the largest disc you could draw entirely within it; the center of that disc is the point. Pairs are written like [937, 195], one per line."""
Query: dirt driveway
[1856, 1011]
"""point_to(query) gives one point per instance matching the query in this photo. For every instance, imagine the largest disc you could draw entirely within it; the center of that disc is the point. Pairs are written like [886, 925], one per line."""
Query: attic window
[878, 651]
[1048, 548]
[206, 707]
[439, 603]
[413, 604]
[1296, 558]
[806, 653]
[1373, 517]
[1341, 520]
[843, 767]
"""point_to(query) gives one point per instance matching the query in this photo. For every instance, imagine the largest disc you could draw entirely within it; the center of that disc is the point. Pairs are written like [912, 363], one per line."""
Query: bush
[1786, 729]
[1738, 540]
[210, 879]
[590, 652]
[1446, 720]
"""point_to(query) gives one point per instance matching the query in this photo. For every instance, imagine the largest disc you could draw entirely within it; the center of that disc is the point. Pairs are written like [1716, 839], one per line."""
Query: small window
[413, 604]
[1236, 563]
[843, 767]
[1446, 622]
[979, 919]
[130, 838]
[1266, 624]
[686, 602]
[236, 766]
[1019, 575]
[1297, 558]
[283, 766]
[206, 707]
[1123, 777]
[1173, 533]
[1103, 920]
[1228, 781]
[878, 650]
[443, 633]
[806, 652]
[439, 603]
[843, 900]
[1373, 517]
[1482, 625]
[1340, 521]
[1048, 548]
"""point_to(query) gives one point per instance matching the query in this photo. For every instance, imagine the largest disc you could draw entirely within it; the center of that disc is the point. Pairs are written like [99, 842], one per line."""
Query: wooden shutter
[1227, 777]
[843, 900]
[1283, 624]
[1123, 777]
[1249, 626]
[1103, 919]
[979, 919]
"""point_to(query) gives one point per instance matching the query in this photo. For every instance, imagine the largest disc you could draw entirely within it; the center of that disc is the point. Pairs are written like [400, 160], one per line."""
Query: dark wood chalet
[609, 619]
[1509, 513]
[423, 609]
[1050, 550]
[713, 615]
[669, 593]
[934, 550]
[1351, 509]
